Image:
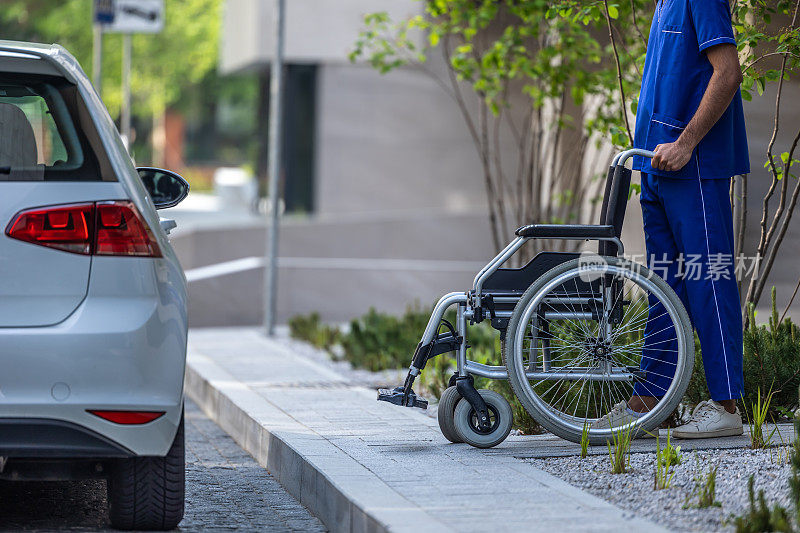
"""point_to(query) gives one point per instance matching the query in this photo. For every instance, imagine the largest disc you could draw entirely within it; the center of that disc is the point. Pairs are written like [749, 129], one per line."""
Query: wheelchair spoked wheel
[576, 347]
[465, 421]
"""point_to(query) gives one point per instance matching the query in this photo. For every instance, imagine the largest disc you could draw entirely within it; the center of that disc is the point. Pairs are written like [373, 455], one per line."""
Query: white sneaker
[618, 416]
[710, 419]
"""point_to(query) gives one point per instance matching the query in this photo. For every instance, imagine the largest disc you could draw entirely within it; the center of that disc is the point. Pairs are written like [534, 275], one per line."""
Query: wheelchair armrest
[566, 231]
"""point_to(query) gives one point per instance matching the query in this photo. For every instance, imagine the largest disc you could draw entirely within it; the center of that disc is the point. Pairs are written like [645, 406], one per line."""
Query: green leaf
[613, 12]
[760, 83]
[433, 38]
[746, 95]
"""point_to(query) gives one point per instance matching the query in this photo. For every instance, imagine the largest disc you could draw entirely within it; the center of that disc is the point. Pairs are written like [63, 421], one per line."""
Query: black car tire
[147, 493]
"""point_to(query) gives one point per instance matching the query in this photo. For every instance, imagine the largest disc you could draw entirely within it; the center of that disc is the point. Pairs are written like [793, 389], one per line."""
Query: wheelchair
[579, 334]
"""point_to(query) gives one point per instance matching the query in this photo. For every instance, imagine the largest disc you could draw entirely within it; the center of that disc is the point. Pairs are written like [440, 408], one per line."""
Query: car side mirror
[166, 188]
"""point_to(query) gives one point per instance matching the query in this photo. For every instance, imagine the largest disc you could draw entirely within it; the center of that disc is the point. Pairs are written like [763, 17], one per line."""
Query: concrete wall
[316, 30]
[392, 143]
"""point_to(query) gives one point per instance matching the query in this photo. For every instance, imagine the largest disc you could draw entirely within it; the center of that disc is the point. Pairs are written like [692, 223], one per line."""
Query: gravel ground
[675, 507]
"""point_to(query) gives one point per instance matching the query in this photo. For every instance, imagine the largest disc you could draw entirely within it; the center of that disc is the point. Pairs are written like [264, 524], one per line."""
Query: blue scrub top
[676, 74]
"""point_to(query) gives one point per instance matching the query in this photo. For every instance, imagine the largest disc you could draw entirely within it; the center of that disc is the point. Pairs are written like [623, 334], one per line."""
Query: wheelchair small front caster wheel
[446, 414]
[500, 419]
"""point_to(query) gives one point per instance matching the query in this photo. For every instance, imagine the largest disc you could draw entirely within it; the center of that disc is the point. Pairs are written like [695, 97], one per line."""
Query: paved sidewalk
[363, 465]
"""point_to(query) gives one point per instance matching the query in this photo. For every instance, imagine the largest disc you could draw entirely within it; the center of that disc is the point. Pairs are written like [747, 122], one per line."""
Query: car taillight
[65, 227]
[127, 417]
[102, 228]
[121, 231]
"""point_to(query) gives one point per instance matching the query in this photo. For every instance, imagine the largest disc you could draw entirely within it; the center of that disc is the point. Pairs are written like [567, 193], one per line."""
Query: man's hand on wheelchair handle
[672, 156]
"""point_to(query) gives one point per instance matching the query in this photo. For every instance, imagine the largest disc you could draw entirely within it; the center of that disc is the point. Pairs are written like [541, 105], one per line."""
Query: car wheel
[147, 493]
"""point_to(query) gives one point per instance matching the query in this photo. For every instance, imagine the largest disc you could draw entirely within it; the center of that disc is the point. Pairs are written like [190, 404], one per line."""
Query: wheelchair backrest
[615, 201]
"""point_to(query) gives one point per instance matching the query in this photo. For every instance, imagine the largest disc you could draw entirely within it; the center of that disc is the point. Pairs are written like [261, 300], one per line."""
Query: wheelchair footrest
[398, 397]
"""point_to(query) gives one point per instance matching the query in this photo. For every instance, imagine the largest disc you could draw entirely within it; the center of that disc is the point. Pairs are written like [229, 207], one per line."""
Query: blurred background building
[385, 203]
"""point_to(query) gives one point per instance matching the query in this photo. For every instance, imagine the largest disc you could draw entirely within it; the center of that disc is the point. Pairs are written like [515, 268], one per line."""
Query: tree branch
[619, 73]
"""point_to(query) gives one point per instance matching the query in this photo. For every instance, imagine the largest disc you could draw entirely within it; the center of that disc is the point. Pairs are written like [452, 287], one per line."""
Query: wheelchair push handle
[621, 157]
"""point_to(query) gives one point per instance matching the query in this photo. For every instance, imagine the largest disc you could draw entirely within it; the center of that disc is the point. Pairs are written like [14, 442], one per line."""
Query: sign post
[275, 133]
[103, 14]
[126, 17]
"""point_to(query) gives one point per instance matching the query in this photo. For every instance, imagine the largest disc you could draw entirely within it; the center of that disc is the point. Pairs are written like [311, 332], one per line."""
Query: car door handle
[167, 224]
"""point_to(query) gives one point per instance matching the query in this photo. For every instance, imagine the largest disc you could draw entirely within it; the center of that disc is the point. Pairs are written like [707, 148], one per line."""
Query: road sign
[136, 16]
[103, 11]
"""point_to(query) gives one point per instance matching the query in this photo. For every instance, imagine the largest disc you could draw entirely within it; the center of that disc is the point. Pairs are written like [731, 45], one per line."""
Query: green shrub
[310, 329]
[771, 360]
[378, 341]
[522, 420]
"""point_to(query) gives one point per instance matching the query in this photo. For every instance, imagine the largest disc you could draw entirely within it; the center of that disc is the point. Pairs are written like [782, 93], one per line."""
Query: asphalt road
[225, 490]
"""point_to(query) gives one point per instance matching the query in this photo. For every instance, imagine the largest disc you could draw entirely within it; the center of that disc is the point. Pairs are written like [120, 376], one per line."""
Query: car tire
[147, 493]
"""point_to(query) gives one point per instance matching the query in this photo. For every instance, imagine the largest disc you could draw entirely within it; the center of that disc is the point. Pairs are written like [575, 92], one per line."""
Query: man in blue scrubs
[690, 114]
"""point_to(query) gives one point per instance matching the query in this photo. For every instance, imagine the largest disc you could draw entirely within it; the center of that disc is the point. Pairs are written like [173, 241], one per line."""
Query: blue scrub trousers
[688, 230]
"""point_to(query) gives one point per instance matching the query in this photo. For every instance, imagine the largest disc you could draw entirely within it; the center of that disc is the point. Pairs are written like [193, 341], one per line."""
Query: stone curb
[337, 489]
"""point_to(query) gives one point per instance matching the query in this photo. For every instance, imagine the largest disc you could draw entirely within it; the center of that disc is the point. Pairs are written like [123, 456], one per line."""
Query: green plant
[757, 419]
[619, 454]
[760, 517]
[771, 359]
[436, 376]
[666, 458]
[794, 480]
[311, 329]
[670, 454]
[705, 489]
[585, 440]
[522, 420]
[707, 495]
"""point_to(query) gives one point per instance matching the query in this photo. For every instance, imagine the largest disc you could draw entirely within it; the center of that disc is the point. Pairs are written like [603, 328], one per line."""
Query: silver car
[92, 297]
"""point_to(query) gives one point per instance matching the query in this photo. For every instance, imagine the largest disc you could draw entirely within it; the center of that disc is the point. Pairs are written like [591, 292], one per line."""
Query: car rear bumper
[115, 352]
[42, 438]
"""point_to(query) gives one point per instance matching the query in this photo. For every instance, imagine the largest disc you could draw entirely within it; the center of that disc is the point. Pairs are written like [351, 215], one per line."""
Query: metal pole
[97, 59]
[125, 112]
[275, 133]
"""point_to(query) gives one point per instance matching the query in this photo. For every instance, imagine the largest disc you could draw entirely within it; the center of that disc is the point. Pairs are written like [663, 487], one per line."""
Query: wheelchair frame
[479, 304]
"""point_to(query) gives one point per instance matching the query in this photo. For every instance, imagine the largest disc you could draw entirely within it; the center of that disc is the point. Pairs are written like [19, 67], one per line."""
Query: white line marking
[222, 269]
[332, 263]
[727, 39]
[670, 125]
[670, 31]
[713, 287]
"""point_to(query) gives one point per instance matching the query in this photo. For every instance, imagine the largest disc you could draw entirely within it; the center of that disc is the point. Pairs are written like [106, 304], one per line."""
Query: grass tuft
[760, 410]
[585, 440]
[707, 489]
[666, 458]
[619, 454]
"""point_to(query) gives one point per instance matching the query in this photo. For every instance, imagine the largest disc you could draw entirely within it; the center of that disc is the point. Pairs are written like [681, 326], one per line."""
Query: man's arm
[721, 88]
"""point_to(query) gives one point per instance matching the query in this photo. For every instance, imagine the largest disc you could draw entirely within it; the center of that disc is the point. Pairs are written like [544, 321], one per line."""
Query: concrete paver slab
[362, 465]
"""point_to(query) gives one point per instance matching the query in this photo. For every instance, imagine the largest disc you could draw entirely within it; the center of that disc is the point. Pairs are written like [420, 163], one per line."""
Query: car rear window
[46, 133]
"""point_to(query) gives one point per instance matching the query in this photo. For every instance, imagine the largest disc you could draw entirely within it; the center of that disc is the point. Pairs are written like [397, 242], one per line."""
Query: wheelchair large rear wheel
[589, 334]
